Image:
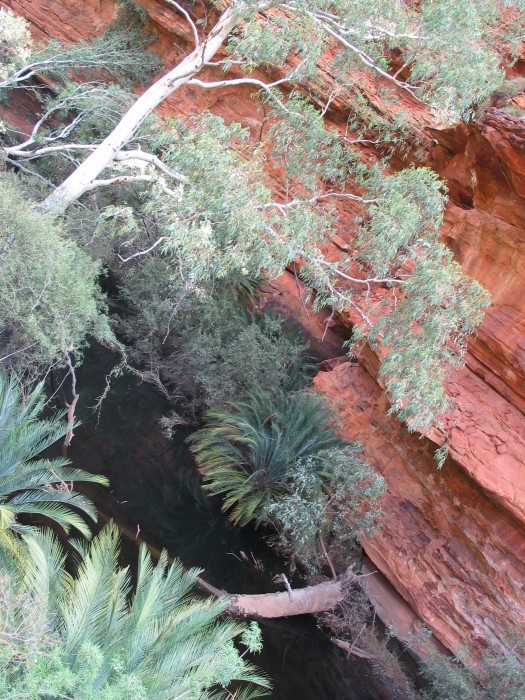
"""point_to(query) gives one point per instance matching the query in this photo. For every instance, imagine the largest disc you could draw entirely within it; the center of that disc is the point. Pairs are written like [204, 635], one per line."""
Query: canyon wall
[453, 540]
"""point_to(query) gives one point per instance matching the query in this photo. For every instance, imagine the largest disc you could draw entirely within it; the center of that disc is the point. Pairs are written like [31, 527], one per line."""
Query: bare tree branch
[70, 406]
[186, 15]
[143, 252]
[152, 160]
[120, 180]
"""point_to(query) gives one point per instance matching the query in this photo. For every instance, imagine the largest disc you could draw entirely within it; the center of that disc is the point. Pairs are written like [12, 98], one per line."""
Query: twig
[16, 352]
[327, 556]
[328, 321]
[188, 19]
[71, 406]
[288, 587]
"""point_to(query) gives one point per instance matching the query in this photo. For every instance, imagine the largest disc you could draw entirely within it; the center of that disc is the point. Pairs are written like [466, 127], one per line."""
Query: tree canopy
[202, 199]
[95, 635]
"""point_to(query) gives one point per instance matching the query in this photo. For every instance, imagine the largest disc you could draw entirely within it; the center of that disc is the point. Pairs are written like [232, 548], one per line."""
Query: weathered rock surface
[451, 551]
[453, 541]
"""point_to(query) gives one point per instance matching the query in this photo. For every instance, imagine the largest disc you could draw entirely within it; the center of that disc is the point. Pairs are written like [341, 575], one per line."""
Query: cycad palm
[248, 451]
[97, 640]
[35, 486]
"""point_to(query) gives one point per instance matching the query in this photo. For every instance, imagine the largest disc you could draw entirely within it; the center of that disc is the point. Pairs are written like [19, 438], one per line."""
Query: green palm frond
[43, 472]
[55, 505]
[247, 452]
[157, 643]
[44, 572]
[98, 595]
[11, 551]
[36, 486]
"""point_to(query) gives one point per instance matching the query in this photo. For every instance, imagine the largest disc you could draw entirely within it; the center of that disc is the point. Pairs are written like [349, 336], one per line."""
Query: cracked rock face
[453, 541]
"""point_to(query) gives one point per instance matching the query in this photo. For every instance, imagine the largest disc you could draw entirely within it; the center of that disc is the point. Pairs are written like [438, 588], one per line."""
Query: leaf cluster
[100, 638]
[49, 294]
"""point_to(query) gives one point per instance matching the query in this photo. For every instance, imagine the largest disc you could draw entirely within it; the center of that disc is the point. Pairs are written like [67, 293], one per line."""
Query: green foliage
[97, 108]
[205, 345]
[49, 296]
[214, 217]
[248, 452]
[303, 146]
[236, 353]
[455, 64]
[450, 49]
[440, 308]
[497, 675]
[216, 226]
[35, 486]
[97, 639]
[15, 41]
[120, 52]
[256, 46]
[332, 493]
[404, 218]
[207, 231]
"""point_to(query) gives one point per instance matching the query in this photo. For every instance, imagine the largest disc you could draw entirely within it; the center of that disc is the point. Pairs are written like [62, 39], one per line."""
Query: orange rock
[451, 548]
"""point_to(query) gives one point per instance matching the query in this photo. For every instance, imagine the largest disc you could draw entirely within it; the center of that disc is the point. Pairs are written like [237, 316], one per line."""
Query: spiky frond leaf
[36, 486]
[248, 451]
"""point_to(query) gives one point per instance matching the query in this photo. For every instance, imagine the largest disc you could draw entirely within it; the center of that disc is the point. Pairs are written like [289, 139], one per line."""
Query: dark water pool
[154, 489]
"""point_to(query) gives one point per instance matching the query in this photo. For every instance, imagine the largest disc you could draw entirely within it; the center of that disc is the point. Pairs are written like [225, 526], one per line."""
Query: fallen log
[299, 601]
[295, 601]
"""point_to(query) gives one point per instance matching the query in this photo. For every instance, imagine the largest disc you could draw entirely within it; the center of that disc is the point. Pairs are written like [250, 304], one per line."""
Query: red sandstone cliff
[453, 541]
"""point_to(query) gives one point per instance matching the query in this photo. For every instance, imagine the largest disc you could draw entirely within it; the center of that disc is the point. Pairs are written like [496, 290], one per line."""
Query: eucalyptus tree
[95, 635]
[214, 214]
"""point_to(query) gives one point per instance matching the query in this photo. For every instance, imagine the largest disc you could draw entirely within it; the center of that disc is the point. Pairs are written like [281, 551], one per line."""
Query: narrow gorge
[450, 553]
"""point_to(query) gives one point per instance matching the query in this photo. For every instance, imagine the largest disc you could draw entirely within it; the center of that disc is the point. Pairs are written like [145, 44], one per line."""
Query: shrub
[208, 346]
[49, 295]
[332, 494]
[498, 675]
[249, 451]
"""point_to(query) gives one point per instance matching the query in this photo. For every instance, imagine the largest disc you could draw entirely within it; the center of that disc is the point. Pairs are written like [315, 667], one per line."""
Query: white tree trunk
[79, 181]
[298, 601]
